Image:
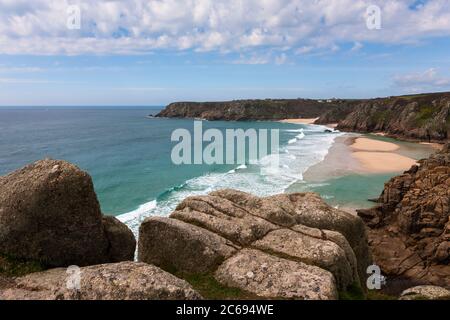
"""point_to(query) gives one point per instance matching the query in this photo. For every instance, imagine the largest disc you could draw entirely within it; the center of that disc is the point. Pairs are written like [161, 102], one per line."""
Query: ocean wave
[144, 208]
[261, 179]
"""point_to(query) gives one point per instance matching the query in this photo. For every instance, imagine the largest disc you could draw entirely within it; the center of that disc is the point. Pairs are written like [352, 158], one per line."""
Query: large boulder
[178, 246]
[269, 276]
[117, 281]
[49, 213]
[410, 227]
[229, 234]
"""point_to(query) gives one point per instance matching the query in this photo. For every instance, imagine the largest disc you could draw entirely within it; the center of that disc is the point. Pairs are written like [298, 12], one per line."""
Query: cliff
[424, 117]
[249, 109]
[410, 227]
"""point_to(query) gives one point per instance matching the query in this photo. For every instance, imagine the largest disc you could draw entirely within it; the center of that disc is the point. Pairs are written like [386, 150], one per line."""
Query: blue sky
[136, 53]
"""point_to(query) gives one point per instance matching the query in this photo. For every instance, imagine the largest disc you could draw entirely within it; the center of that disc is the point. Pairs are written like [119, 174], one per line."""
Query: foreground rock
[425, 293]
[119, 281]
[410, 228]
[49, 213]
[284, 246]
[272, 277]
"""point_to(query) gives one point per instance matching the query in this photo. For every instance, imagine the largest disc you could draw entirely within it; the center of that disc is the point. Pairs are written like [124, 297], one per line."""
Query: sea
[128, 155]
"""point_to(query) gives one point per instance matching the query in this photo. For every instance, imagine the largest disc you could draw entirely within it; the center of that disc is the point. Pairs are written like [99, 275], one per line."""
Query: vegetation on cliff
[424, 117]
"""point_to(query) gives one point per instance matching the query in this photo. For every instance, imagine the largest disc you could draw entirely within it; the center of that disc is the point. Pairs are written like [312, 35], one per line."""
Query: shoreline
[354, 153]
[309, 121]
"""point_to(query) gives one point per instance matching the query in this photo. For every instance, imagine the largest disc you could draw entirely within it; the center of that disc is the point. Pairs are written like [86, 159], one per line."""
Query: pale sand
[366, 144]
[383, 162]
[300, 121]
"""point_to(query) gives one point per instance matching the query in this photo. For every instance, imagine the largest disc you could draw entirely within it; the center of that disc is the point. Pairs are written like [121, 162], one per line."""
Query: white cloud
[357, 46]
[23, 81]
[420, 81]
[141, 26]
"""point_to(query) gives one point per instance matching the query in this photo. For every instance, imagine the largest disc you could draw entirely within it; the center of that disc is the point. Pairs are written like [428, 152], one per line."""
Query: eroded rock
[425, 293]
[221, 232]
[178, 246]
[269, 276]
[49, 213]
[117, 281]
[410, 227]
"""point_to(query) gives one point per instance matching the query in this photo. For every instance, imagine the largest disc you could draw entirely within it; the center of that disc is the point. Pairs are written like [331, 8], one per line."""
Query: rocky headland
[422, 117]
[245, 110]
[409, 229]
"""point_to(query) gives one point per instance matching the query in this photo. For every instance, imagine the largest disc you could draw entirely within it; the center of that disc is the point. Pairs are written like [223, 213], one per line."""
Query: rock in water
[117, 281]
[410, 228]
[49, 213]
[284, 246]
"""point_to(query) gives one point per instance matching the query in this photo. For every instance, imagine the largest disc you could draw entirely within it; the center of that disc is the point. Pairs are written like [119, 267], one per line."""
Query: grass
[12, 267]
[381, 116]
[425, 114]
[353, 292]
[211, 289]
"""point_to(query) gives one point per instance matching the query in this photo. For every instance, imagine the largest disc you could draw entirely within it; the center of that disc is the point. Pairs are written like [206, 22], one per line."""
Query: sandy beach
[300, 121]
[356, 154]
[377, 156]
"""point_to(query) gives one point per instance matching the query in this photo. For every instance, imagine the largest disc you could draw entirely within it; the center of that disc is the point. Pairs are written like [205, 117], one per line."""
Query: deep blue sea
[128, 156]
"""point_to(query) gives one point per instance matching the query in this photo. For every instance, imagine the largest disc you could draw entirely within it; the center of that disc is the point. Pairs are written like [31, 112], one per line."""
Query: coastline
[346, 177]
[355, 153]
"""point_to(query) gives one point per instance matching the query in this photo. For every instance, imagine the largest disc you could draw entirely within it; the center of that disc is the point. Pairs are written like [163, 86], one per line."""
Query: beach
[377, 156]
[300, 121]
[357, 166]
[358, 154]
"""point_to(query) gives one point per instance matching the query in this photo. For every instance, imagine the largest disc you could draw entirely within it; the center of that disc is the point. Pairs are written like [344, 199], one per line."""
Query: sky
[153, 52]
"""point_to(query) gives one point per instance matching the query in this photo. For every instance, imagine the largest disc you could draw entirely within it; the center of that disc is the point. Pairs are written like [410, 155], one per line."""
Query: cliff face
[424, 117]
[248, 109]
[410, 228]
[421, 117]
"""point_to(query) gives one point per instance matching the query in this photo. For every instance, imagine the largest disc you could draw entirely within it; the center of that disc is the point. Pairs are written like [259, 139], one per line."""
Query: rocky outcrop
[270, 276]
[249, 109]
[410, 227]
[425, 293]
[422, 117]
[118, 281]
[189, 245]
[284, 246]
[49, 213]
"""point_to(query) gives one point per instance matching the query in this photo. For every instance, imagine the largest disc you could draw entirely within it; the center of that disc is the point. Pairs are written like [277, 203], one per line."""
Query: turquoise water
[350, 191]
[128, 156]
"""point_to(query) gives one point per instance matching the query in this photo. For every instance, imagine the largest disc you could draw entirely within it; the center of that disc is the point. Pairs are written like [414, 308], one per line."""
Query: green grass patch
[353, 292]
[381, 116]
[12, 267]
[425, 114]
[211, 289]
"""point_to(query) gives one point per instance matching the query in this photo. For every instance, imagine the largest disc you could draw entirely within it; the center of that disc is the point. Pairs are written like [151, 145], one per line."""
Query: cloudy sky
[152, 52]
